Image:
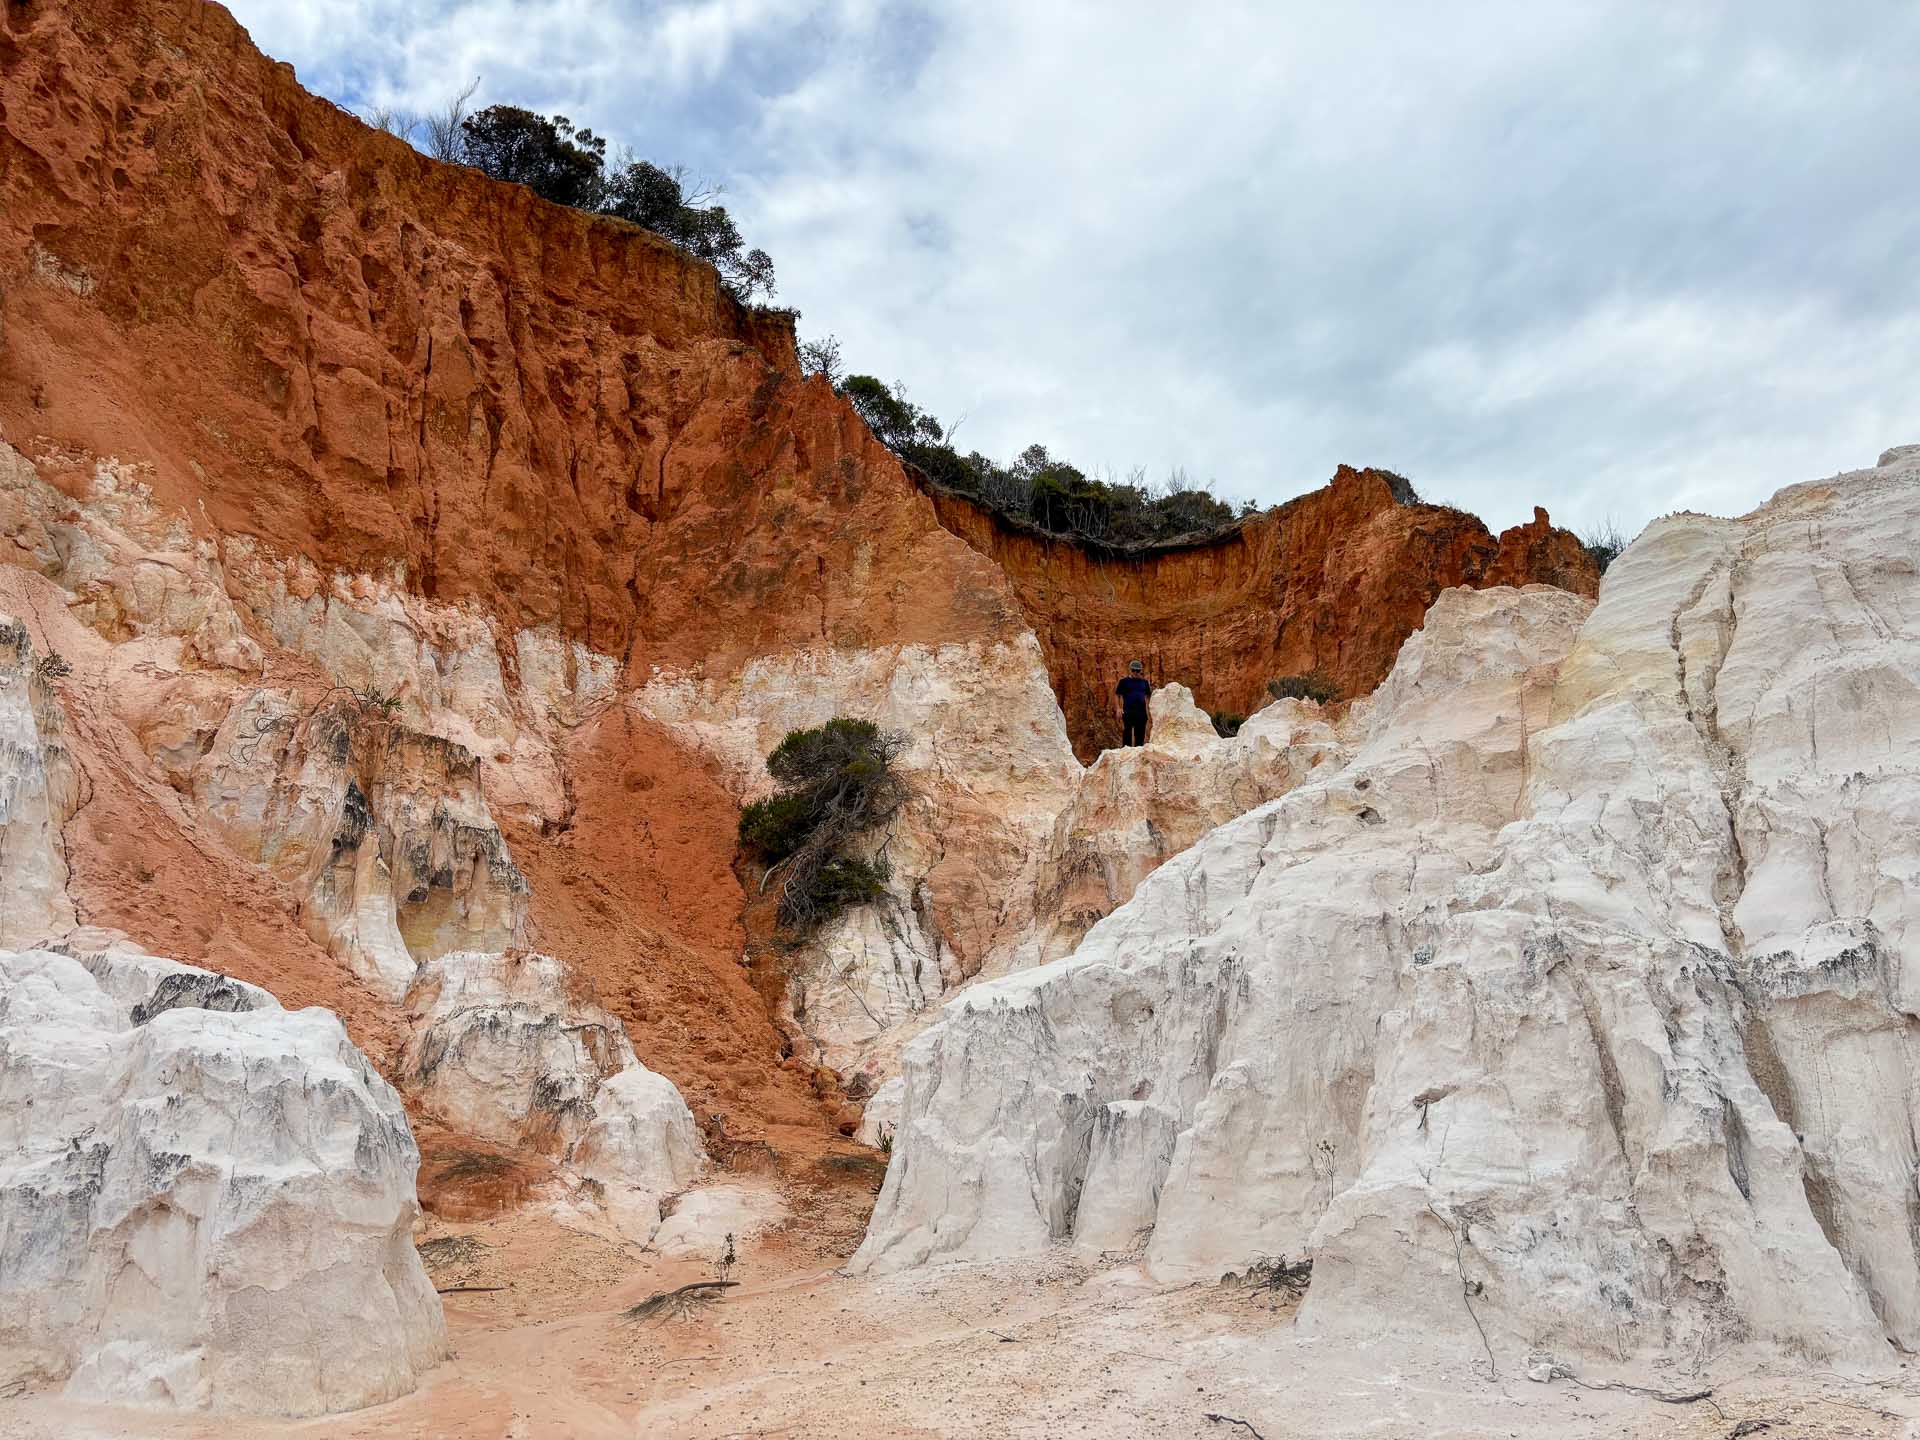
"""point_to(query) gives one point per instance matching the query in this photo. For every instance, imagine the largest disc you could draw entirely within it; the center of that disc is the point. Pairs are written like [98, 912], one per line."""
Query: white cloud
[1606, 258]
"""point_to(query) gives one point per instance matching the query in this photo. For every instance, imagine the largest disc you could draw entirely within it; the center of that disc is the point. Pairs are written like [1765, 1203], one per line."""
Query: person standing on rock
[1133, 691]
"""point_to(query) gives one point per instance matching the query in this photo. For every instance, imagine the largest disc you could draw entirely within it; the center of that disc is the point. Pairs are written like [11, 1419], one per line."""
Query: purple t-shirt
[1133, 693]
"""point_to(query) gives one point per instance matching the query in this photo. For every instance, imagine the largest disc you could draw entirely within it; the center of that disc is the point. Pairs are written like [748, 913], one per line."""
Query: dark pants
[1133, 727]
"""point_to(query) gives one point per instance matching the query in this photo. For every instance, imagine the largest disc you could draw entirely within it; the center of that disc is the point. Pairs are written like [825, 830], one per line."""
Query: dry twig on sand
[1468, 1288]
[679, 1302]
[1220, 1419]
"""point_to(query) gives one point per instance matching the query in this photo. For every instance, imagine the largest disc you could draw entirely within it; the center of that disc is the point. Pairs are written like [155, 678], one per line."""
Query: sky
[1613, 259]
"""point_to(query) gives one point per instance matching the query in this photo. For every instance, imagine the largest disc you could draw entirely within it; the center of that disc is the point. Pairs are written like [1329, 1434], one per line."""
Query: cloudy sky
[1615, 259]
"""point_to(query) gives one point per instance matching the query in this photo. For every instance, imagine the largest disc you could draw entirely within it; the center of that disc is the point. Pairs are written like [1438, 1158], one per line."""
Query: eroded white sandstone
[512, 1049]
[36, 793]
[1582, 983]
[208, 1208]
[384, 828]
[1134, 808]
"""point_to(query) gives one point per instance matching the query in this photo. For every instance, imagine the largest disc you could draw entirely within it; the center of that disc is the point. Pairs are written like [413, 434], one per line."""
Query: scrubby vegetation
[1603, 543]
[1226, 723]
[568, 165]
[1036, 488]
[837, 783]
[1312, 686]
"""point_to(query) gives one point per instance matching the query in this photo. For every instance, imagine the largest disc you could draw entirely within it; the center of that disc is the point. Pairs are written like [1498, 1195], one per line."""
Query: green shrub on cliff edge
[568, 165]
[1035, 488]
[836, 783]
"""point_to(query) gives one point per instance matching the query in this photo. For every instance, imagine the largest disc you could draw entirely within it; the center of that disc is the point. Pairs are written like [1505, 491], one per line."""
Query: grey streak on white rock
[1587, 974]
[209, 1209]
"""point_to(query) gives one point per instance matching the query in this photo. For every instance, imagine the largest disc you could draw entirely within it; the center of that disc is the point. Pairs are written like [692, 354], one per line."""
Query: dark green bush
[809, 757]
[1226, 723]
[1037, 488]
[1312, 686]
[548, 156]
[848, 881]
[777, 826]
[836, 782]
[568, 166]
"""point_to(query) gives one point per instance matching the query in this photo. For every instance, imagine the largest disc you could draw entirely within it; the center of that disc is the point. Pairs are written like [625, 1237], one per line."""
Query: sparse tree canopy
[822, 357]
[549, 156]
[568, 165]
[444, 127]
[1038, 487]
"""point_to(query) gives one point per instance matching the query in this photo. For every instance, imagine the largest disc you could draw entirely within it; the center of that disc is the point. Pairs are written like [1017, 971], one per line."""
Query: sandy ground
[1026, 1349]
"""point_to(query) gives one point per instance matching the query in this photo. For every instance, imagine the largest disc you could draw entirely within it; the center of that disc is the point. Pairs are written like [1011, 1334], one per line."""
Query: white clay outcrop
[205, 1201]
[385, 830]
[36, 794]
[1585, 979]
[1135, 808]
[508, 1048]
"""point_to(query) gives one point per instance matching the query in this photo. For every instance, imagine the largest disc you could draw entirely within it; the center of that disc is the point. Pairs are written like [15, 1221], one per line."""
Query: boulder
[206, 1202]
[513, 1049]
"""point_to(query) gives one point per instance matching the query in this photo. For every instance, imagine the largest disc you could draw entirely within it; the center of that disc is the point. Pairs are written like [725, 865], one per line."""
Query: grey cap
[1134, 667]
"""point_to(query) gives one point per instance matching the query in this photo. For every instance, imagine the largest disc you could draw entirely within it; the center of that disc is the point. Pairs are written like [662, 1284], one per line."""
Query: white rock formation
[701, 1221]
[1585, 981]
[509, 1048]
[36, 795]
[205, 1201]
[385, 830]
[1134, 808]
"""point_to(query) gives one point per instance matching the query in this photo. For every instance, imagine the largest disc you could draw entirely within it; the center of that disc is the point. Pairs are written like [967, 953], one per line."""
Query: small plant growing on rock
[1603, 543]
[836, 783]
[375, 701]
[1311, 686]
[53, 666]
[1226, 723]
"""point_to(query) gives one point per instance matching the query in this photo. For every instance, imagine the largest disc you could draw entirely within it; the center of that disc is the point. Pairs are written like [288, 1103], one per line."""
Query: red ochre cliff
[1332, 582]
[351, 383]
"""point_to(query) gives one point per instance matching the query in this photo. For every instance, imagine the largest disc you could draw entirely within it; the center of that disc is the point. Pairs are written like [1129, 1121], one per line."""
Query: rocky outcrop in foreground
[1585, 981]
[205, 1201]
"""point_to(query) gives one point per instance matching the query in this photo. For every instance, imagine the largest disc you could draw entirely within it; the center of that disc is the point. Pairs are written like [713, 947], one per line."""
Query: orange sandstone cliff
[1331, 582]
[372, 401]
[287, 410]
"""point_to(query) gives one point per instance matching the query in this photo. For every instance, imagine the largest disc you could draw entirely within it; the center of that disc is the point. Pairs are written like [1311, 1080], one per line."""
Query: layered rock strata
[1331, 582]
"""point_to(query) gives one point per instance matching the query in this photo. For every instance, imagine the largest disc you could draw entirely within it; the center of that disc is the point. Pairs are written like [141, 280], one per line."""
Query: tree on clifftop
[568, 166]
[549, 156]
[657, 199]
